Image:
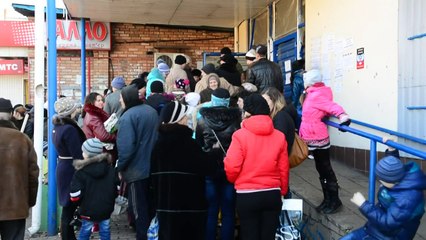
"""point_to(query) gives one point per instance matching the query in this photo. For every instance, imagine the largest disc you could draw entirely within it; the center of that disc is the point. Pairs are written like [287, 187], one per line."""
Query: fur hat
[180, 60]
[5, 105]
[92, 147]
[255, 104]
[118, 82]
[208, 68]
[173, 112]
[225, 50]
[390, 169]
[157, 87]
[311, 77]
[164, 68]
[65, 106]
[229, 58]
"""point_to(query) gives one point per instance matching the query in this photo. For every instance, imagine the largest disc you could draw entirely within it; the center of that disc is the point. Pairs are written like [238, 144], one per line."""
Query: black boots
[331, 203]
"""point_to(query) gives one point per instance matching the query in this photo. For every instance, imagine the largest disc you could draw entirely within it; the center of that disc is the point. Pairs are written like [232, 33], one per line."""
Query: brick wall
[131, 53]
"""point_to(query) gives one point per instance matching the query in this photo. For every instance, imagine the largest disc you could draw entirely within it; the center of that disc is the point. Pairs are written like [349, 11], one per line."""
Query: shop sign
[11, 67]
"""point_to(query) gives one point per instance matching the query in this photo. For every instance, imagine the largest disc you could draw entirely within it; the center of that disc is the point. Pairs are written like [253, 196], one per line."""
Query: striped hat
[92, 147]
[173, 112]
[390, 169]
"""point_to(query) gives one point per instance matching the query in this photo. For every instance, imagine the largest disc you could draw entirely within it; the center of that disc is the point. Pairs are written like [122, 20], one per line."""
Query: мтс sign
[11, 67]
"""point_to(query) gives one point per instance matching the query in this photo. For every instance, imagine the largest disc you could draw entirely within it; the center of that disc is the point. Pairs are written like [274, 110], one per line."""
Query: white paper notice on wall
[287, 78]
[287, 65]
[78, 79]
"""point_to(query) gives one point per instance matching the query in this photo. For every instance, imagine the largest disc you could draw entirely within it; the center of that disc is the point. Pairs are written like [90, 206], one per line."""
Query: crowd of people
[193, 148]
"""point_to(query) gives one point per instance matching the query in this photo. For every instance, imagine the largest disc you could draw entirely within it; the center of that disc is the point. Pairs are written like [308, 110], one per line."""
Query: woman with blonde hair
[281, 119]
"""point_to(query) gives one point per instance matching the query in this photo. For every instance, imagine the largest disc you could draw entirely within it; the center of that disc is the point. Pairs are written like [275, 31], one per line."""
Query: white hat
[311, 77]
[251, 53]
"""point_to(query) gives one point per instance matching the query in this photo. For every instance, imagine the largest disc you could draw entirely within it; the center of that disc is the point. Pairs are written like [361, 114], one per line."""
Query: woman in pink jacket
[257, 164]
[318, 104]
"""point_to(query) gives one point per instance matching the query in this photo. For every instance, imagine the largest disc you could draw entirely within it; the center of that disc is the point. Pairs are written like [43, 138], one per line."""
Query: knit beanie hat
[220, 97]
[5, 105]
[157, 87]
[255, 104]
[208, 68]
[390, 169]
[311, 77]
[225, 50]
[65, 106]
[180, 59]
[164, 68]
[173, 112]
[192, 99]
[92, 147]
[118, 82]
[261, 50]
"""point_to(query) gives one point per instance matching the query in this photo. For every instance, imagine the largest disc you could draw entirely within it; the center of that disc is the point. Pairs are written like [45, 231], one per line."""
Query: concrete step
[304, 184]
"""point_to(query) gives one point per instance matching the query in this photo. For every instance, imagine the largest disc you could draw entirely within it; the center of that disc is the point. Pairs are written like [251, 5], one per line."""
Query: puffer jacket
[19, 170]
[95, 185]
[93, 124]
[317, 105]
[399, 209]
[264, 73]
[252, 162]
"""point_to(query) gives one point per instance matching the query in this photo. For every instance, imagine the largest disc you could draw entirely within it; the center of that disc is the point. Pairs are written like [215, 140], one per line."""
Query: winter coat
[399, 209]
[317, 105]
[176, 73]
[224, 122]
[18, 166]
[93, 124]
[298, 88]
[285, 124]
[264, 73]
[67, 137]
[94, 186]
[252, 163]
[178, 170]
[112, 103]
[230, 73]
[136, 137]
[157, 101]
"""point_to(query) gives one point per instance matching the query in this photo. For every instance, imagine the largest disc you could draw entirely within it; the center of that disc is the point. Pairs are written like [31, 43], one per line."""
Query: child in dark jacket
[94, 186]
[400, 205]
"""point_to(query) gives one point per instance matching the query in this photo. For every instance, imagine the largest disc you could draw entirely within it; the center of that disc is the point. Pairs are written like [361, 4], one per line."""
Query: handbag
[121, 202]
[299, 152]
[153, 228]
[291, 220]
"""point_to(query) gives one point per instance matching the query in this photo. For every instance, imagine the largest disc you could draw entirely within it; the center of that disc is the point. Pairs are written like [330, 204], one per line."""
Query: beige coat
[176, 73]
[18, 166]
[203, 84]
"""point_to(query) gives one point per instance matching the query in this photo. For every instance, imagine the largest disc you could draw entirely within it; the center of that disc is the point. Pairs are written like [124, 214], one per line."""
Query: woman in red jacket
[93, 121]
[257, 164]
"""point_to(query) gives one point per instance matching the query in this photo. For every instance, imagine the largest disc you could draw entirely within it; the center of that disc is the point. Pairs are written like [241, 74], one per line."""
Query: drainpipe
[38, 110]
[52, 87]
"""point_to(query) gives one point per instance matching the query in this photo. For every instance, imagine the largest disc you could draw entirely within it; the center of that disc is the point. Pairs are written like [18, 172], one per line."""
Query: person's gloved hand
[358, 199]
[344, 120]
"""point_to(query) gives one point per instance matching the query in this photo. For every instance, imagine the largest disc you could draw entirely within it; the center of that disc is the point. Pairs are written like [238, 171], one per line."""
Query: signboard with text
[11, 67]
[21, 34]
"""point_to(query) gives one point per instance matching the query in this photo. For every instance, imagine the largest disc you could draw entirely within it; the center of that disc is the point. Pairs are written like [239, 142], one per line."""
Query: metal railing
[374, 139]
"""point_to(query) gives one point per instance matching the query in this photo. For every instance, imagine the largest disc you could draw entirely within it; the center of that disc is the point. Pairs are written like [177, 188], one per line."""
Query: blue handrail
[373, 149]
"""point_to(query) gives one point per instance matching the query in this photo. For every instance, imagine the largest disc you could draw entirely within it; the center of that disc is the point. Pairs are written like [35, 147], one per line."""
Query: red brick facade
[132, 52]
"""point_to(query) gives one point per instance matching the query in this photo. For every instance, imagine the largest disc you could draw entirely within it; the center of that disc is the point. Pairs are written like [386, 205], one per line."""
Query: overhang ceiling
[213, 13]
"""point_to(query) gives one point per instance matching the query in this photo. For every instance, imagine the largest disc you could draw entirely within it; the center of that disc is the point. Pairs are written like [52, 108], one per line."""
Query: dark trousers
[323, 165]
[259, 214]
[138, 204]
[67, 230]
[12, 229]
[182, 226]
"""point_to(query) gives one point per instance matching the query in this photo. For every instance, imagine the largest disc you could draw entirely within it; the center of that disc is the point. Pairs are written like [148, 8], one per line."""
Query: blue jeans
[86, 230]
[220, 194]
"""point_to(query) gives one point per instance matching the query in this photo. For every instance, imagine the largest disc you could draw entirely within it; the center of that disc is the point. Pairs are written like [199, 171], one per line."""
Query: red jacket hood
[259, 124]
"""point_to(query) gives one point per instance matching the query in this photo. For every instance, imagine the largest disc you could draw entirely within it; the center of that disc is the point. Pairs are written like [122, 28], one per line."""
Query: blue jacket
[298, 88]
[135, 140]
[399, 209]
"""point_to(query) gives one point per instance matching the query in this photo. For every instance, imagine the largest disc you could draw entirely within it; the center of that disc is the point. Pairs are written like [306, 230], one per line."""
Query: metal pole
[52, 226]
[83, 59]
[372, 177]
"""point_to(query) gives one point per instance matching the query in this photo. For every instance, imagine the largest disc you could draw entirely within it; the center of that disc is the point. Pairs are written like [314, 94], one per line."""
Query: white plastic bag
[291, 218]
[111, 123]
